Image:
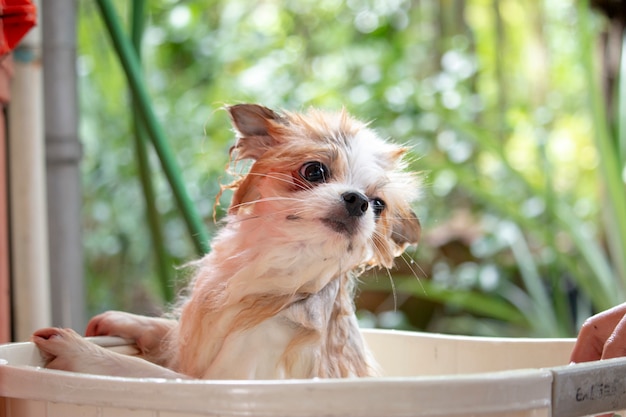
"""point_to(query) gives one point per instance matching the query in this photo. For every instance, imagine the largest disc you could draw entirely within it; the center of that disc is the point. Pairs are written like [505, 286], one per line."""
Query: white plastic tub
[425, 375]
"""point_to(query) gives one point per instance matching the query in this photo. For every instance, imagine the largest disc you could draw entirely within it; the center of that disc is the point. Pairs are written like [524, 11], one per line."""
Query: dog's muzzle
[356, 203]
[346, 220]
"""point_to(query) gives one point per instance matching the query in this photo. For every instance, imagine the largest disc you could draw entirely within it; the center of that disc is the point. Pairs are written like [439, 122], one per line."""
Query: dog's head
[325, 177]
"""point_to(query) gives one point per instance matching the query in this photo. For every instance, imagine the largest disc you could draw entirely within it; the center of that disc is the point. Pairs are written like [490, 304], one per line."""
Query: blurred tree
[491, 96]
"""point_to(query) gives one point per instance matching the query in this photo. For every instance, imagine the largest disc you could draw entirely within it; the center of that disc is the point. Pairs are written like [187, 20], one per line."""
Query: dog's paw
[149, 333]
[66, 350]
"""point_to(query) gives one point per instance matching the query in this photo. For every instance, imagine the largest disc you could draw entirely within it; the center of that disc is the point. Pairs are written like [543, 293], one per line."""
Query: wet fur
[274, 297]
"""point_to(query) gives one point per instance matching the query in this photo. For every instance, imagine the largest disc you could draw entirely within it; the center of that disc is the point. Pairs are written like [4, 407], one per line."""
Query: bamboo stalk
[130, 64]
[163, 266]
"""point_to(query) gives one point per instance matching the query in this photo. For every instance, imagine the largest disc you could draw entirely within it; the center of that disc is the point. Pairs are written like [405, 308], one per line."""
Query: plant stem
[130, 64]
[606, 146]
[162, 259]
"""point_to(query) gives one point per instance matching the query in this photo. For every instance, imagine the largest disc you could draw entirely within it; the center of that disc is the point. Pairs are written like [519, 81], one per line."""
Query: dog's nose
[356, 203]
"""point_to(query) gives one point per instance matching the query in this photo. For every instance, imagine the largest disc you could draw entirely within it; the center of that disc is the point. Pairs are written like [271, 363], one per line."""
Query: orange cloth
[17, 17]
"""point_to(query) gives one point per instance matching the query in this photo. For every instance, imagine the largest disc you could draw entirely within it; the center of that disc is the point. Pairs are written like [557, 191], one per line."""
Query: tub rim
[486, 392]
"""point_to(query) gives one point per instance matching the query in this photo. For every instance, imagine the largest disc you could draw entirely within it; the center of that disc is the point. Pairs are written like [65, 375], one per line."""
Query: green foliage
[523, 198]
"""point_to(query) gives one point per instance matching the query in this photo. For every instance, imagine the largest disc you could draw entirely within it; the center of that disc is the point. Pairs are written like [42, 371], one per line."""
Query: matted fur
[277, 275]
[324, 199]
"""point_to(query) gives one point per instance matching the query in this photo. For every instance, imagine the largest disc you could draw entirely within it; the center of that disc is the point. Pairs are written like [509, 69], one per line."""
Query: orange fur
[240, 285]
[324, 199]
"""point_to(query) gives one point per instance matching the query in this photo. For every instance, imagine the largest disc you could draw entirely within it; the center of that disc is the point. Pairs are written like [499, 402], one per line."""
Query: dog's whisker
[410, 265]
[267, 199]
[273, 175]
[393, 290]
[282, 177]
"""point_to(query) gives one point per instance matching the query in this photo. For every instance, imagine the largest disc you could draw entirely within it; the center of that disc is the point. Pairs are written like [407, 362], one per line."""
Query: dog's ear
[405, 231]
[256, 129]
[400, 229]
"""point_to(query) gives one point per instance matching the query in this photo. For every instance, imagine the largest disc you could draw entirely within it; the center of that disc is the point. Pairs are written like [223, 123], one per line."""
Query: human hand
[602, 336]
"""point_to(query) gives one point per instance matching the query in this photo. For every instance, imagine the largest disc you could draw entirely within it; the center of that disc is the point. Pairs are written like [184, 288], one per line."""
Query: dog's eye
[378, 206]
[314, 172]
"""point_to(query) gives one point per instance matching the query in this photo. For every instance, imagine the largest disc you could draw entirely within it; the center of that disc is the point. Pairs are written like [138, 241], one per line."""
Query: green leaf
[482, 304]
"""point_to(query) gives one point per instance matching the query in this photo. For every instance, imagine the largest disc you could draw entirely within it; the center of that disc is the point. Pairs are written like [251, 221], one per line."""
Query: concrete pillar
[63, 153]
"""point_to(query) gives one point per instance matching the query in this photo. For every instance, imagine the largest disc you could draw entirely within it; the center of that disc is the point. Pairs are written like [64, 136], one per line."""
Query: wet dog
[324, 199]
